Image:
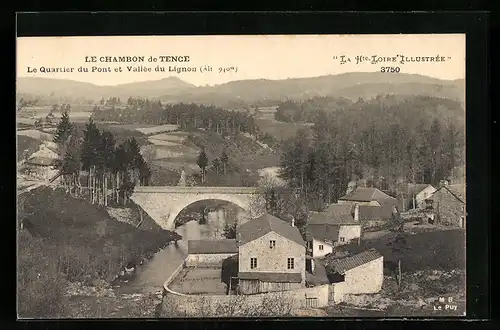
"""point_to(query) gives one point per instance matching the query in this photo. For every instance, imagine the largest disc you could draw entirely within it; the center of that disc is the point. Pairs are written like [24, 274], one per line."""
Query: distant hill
[173, 89]
[63, 88]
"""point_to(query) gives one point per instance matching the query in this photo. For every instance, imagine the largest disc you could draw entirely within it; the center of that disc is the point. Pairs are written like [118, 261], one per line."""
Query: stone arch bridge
[164, 204]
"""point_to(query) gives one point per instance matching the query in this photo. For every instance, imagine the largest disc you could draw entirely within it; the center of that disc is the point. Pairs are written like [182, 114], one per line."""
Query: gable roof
[335, 214]
[369, 212]
[212, 246]
[362, 194]
[341, 266]
[323, 232]
[457, 190]
[41, 161]
[265, 224]
[417, 188]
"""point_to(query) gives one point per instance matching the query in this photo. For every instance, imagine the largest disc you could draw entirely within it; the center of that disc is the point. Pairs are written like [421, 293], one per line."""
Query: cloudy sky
[255, 57]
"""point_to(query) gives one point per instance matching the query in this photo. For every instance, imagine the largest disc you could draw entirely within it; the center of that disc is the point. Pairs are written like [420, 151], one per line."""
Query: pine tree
[64, 130]
[202, 162]
[224, 158]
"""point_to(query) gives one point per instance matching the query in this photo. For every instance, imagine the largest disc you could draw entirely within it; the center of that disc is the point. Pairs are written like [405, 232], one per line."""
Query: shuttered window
[253, 263]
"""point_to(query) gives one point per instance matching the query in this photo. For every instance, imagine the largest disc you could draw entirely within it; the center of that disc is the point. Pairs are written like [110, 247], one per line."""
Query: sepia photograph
[241, 176]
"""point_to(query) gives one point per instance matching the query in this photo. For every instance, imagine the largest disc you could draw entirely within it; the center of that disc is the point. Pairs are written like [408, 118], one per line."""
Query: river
[149, 277]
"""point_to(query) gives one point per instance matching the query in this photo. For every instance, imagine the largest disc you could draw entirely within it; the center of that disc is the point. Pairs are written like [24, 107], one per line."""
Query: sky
[247, 56]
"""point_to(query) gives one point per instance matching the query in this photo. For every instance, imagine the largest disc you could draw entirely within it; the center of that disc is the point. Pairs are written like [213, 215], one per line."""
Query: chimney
[293, 222]
[356, 212]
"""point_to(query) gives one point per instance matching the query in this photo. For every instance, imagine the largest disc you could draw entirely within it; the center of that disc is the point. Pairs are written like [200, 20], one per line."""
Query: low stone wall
[266, 304]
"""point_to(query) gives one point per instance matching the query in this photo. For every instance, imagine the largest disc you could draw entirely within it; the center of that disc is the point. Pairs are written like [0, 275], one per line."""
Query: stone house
[271, 256]
[362, 273]
[210, 253]
[418, 193]
[447, 205]
[373, 216]
[339, 224]
[365, 196]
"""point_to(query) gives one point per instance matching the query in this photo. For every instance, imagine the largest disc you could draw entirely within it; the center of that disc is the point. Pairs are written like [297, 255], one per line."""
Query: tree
[64, 130]
[224, 158]
[217, 164]
[229, 230]
[202, 162]
[399, 244]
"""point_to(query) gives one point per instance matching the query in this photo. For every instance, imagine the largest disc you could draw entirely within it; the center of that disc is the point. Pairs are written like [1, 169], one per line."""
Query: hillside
[241, 92]
[63, 88]
[66, 240]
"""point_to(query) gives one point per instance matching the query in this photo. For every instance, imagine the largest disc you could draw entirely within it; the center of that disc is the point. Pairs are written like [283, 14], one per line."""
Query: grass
[432, 250]
[280, 130]
[199, 281]
[69, 240]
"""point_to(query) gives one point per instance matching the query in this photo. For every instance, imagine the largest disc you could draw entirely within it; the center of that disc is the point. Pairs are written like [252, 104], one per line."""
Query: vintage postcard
[241, 176]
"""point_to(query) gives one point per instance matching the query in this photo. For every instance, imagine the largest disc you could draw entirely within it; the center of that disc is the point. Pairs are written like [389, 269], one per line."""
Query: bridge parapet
[197, 190]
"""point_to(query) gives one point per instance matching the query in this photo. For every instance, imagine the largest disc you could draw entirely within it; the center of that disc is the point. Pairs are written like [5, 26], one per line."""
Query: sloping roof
[323, 232]
[271, 277]
[335, 214]
[362, 194]
[417, 188]
[458, 190]
[383, 212]
[212, 246]
[264, 224]
[345, 264]
[41, 161]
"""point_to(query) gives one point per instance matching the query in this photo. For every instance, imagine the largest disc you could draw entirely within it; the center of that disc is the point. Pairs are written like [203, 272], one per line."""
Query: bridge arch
[179, 207]
[164, 204]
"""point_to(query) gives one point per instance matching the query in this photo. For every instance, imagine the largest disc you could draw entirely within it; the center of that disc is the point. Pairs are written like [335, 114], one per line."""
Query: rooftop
[41, 161]
[345, 264]
[362, 194]
[417, 187]
[335, 214]
[212, 246]
[271, 277]
[264, 224]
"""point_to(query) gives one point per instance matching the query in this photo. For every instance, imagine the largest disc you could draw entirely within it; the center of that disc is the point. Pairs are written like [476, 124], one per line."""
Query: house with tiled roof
[418, 193]
[366, 196]
[271, 256]
[447, 205]
[338, 224]
[362, 273]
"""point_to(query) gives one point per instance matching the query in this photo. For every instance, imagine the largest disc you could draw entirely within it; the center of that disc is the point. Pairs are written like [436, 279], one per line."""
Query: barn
[210, 253]
[361, 273]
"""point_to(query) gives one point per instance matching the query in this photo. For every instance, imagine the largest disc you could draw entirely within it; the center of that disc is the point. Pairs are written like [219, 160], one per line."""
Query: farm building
[271, 256]
[365, 196]
[418, 193]
[447, 205]
[362, 273]
[210, 253]
[373, 216]
[338, 224]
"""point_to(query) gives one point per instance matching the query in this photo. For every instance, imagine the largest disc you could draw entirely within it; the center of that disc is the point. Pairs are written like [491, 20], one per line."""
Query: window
[253, 263]
[320, 247]
[272, 244]
[291, 263]
[341, 239]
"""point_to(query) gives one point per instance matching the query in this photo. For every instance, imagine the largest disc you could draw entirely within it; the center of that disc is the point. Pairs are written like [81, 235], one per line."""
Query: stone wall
[367, 278]
[267, 304]
[207, 260]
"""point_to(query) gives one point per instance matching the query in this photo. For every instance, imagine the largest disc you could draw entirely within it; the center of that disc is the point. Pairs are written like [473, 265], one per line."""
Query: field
[280, 130]
[36, 134]
[157, 129]
[199, 281]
